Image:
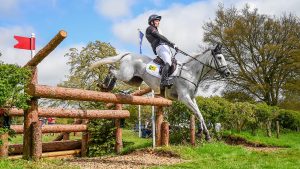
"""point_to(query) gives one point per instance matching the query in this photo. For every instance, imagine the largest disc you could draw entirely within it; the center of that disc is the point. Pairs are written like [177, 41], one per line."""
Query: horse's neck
[198, 62]
[197, 67]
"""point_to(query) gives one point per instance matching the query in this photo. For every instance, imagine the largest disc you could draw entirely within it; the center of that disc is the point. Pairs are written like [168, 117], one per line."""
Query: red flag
[25, 43]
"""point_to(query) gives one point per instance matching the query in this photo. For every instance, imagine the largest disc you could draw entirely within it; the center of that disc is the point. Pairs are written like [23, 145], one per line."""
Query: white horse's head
[218, 61]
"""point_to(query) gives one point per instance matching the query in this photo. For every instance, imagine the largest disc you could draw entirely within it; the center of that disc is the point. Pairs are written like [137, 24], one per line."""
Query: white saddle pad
[153, 69]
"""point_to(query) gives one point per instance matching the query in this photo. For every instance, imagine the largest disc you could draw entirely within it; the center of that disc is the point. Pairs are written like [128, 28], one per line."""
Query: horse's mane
[197, 55]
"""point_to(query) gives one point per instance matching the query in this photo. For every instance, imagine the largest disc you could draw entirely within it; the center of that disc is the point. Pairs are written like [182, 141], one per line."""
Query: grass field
[220, 155]
[206, 155]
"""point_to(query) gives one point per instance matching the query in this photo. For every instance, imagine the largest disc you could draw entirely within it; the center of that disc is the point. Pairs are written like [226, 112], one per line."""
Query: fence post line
[36, 140]
[192, 130]
[277, 128]
[158, 122]
[3, 136]
[119, 143]
[30, 116]
[4, 146]
[84, 141]
[165, 134]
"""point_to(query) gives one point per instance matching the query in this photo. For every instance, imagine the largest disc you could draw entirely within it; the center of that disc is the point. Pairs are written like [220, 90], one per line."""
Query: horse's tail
[108, 60]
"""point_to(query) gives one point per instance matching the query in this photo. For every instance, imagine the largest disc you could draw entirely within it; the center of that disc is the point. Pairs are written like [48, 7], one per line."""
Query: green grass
[44, 164]
[132, 141]
[220, 155]
[288, 139]
[208, 155]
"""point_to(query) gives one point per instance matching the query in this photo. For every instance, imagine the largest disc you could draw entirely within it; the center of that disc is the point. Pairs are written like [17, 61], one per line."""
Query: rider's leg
[164, 76]
[164, 53]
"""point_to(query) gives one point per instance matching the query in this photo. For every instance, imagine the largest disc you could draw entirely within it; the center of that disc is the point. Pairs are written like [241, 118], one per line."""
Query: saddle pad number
[152, 67]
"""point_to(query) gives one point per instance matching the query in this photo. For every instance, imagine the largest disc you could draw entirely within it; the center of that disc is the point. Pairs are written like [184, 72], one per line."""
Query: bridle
[219, 68]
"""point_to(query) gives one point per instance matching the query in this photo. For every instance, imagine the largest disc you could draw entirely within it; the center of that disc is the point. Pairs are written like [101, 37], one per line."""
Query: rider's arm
[156, 34]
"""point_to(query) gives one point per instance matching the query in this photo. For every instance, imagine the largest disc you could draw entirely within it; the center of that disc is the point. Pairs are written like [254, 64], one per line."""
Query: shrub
[289, 119]
[178, 115]
[102, 137]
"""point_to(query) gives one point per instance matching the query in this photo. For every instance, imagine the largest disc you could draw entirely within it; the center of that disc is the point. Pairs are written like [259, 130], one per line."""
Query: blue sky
[113, 21]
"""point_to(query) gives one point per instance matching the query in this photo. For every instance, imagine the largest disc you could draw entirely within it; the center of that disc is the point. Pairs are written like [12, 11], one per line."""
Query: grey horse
[187, 76]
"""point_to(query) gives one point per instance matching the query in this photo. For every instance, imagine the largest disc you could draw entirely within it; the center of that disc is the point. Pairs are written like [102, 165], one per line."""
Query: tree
[79, 62]
[102, 132]
[263, 51]
[13, 79]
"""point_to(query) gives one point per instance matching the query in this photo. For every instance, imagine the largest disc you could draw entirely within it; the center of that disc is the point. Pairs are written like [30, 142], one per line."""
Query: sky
[112, 21]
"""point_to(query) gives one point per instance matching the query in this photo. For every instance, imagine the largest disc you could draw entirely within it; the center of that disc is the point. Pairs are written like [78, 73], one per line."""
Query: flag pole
[139, 106]
[32, 44]
[153, 123]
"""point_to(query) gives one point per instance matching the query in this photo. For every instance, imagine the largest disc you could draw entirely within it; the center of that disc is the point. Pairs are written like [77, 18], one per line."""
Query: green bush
[233, 116]
[178, 115]
[102, 137]
[289, 119]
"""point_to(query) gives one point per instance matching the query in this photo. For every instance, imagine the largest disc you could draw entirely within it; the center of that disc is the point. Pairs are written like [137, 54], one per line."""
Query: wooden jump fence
[33, 148]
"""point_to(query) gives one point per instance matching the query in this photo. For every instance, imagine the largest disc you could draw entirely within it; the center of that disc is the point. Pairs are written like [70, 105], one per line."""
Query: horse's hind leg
[125, 73]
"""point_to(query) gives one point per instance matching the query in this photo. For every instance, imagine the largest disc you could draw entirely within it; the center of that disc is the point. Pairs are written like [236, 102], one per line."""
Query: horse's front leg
[203, 125]
[186, 99]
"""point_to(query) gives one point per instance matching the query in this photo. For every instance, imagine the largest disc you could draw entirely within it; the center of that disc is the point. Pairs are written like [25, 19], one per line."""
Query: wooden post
[37, 140]
[277, 128]
[165, 134]
[119, 143]
[192, 130]
[268, 126]
[84, 144]
[45, 51]
[3, 136]
[84, 140]
[66, 136]
[158, 122]
[4, 145]
[31, 116]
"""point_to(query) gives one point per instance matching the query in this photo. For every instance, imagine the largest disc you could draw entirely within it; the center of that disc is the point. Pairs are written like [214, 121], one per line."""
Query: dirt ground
[263, 149]
[135, 160]
[252, 146]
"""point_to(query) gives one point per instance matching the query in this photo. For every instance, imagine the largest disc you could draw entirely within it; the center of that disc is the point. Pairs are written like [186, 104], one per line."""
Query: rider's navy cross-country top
[156, 39]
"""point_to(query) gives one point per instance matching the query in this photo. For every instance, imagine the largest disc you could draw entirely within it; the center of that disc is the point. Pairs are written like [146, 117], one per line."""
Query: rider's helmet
[153, 17]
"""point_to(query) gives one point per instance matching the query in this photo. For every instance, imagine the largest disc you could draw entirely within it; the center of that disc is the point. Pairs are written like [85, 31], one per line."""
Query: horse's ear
[218, 47]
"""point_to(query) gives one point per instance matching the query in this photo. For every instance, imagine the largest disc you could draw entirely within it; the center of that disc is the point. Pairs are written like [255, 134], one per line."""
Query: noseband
[218, 67]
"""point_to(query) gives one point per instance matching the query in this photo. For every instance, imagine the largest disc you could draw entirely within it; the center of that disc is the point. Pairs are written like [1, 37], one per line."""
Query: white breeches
[164, 52]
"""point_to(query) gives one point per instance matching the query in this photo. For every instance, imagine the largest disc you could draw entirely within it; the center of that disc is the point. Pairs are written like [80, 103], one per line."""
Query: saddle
[160, 62]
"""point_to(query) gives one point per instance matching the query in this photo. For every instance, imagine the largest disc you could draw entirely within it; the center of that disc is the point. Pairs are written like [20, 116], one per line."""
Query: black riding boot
[165, 80]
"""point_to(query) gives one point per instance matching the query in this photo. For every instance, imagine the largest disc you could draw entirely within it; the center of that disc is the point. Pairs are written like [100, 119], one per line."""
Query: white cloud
[51, 71]
[7, 42]
[182, 24]
[8, 8]
[114, 8]
[54, 69]
[272, 7]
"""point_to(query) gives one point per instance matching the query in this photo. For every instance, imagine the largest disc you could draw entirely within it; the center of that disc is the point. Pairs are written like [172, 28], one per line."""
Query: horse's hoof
[208, 139]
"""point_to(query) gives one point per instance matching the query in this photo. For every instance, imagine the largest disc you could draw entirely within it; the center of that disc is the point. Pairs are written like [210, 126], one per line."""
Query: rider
[160, 46]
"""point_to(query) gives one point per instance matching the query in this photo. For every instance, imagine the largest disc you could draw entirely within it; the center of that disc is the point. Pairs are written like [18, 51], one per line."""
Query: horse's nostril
[228, 73]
